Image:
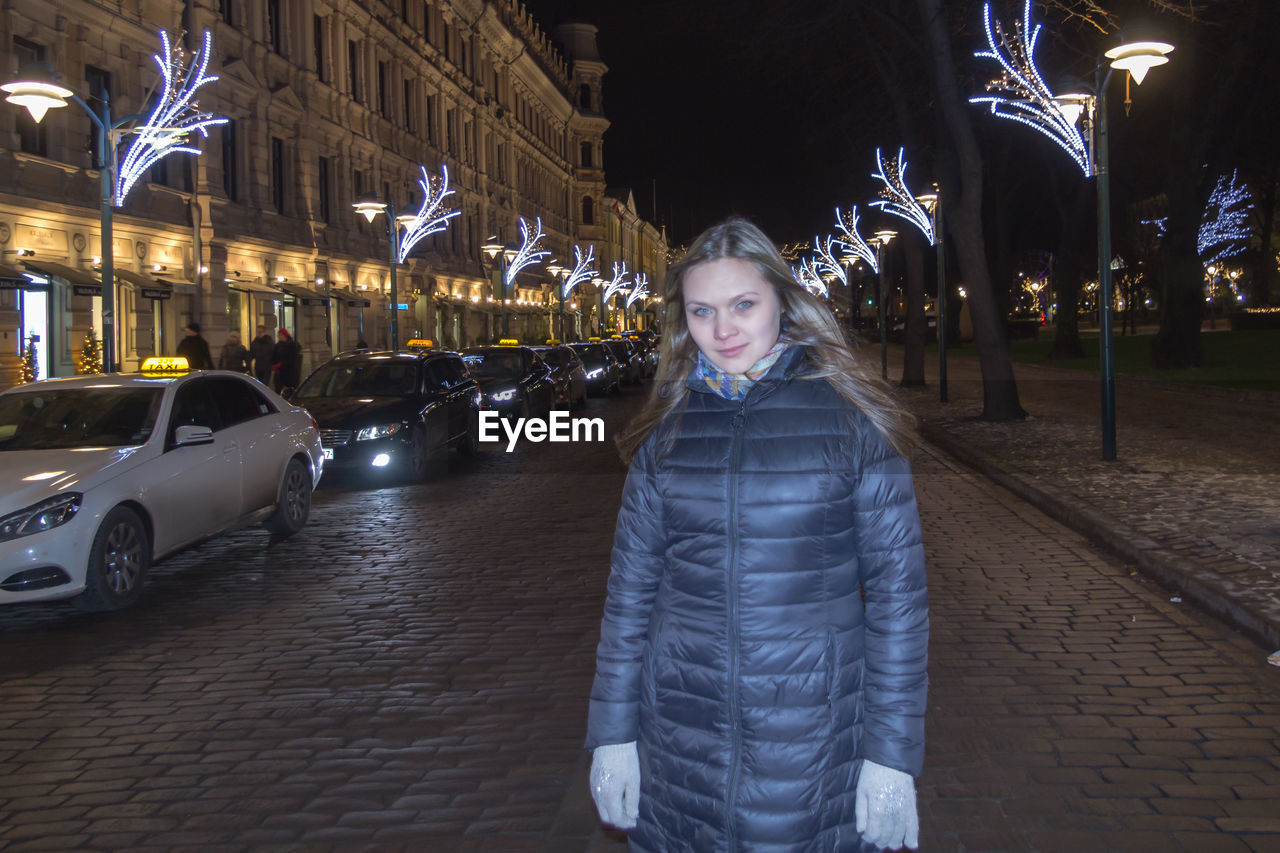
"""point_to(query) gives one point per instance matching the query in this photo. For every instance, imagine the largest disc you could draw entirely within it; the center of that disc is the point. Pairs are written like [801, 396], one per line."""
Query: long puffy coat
[736, 647]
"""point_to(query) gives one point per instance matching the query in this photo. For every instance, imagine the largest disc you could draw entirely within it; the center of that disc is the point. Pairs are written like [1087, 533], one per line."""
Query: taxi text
[557, 426]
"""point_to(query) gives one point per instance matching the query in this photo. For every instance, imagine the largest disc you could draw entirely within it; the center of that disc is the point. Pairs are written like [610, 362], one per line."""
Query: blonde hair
[806, 322]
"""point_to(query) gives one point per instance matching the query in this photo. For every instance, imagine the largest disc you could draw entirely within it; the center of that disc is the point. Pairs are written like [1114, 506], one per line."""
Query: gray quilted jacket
[736, 647]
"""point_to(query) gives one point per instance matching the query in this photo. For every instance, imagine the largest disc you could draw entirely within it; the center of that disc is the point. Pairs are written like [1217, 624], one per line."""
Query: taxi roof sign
[552, 341]
[420, 343]
[165, 365]
[509, 342]
[594, 338]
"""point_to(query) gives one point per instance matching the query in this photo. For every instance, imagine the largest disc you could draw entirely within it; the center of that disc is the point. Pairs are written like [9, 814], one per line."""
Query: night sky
[731, 106]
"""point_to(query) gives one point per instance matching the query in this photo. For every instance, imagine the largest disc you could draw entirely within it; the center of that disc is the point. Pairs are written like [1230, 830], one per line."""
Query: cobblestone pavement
[410, 673]
[1193, 498]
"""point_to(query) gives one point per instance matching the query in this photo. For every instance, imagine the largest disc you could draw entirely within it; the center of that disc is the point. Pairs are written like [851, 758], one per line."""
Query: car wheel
[293, 504]
[118, 562]
[471, 441]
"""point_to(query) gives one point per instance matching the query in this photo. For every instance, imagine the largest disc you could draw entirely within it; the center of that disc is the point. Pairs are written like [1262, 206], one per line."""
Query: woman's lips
[734, 352]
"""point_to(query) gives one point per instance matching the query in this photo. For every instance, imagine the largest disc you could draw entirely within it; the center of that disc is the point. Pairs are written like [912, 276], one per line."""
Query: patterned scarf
[734, 386]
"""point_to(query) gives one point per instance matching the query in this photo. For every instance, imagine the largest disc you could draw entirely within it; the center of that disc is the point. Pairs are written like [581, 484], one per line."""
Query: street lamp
[881, 239]
[1021, 94]
[583, 270]
[515, 259]
[431, 217]
[933, 204]
[161, 132]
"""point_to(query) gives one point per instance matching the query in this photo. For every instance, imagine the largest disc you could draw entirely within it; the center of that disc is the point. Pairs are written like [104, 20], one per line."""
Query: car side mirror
[189, 434]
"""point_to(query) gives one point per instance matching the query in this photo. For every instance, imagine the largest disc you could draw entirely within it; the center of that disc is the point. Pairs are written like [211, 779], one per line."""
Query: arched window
[584, 96]
[586, 155]
[588, 211]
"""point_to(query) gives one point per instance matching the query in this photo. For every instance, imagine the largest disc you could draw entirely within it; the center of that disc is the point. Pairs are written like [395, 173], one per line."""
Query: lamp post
[515, 259]
[882, 239]
[431, 217]
[1020, 93]
[570, 277]
[933, 203]
[501, 254]
[162, 132]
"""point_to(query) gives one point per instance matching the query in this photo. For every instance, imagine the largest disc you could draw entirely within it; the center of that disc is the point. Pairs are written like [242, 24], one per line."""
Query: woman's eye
[701, 311]
[745, 304]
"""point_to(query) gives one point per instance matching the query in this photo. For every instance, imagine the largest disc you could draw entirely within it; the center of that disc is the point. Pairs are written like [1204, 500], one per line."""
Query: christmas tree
[91, 354]
[30, 362]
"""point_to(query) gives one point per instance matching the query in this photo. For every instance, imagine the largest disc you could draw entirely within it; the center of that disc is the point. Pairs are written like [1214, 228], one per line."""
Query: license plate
[328, 452]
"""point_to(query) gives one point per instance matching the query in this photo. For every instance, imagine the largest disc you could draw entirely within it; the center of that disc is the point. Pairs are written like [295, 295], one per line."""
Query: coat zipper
[735, 719]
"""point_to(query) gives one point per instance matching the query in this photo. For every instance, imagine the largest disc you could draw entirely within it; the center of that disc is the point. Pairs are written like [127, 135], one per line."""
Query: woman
[745, 696]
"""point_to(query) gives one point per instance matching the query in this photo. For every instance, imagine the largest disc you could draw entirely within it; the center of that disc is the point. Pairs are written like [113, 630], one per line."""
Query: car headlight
[381, 431]
[503, 396]
[40, 517]
[595, 373]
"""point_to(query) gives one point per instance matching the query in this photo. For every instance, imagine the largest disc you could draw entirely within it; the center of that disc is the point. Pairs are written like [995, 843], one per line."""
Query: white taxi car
[102, 475]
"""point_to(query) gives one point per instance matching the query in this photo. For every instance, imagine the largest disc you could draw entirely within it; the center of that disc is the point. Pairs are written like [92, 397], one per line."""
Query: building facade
[327, 101]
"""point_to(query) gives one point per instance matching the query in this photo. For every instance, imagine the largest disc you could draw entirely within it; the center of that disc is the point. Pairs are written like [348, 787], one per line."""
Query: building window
[277, 173]
[408, 104]
[451, 131]
[353, 70]
[446, 38]
[319, 36]
[586, 155]
[160, 171]
[275, 27]
[584, 96]
[99, 82]
[426, 20]
[384, 96]
[229, 162]
[588, 211]
[32, 138]
[432, 132]
[225, 10]
[323, 172]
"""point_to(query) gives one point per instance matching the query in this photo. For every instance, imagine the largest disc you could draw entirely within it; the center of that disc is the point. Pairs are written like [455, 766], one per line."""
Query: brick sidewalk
[1193, 499]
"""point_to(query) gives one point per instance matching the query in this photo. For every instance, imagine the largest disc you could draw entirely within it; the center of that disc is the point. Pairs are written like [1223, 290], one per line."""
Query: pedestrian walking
[286, 361]
[263, 350]
[234, 356]
[194, 348]
[761, 674]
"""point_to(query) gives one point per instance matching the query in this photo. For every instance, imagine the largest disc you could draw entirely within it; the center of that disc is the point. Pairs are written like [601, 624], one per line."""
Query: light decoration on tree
[1020, 93]
[809, 278]
[432, 217]
[175, 116]
[896, 199]
[639, 289]
[583, 271]
[528, 253]
[29, 369]
[791, 252]
[852, 241]
[619, 281]
[91, 353]
[1225, 228]
[824, 262]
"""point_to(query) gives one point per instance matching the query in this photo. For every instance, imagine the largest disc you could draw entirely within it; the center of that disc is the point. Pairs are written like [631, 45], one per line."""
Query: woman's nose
[725, 328]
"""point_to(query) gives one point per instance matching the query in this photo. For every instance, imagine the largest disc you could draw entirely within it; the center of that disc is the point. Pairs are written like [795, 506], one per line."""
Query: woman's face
[732, 312]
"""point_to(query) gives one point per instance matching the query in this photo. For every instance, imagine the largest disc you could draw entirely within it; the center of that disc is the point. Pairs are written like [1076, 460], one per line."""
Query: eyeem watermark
[558, 426]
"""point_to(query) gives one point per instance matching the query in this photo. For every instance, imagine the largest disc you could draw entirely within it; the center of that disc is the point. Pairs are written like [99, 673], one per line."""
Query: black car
[629, 357]
[514, 380]
[604, 372]
[393, 411]
[567, 372]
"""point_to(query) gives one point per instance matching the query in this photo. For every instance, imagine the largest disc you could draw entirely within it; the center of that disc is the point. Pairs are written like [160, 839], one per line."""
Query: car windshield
[66, 418]
[593, 353]
[554, 357]
[502, 364]
[363, 378]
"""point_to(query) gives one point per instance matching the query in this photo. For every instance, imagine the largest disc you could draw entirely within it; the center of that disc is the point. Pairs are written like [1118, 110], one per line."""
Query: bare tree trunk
[964, 218]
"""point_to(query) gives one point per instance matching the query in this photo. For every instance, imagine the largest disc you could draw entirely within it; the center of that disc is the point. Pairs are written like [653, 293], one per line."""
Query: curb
[1193, 583]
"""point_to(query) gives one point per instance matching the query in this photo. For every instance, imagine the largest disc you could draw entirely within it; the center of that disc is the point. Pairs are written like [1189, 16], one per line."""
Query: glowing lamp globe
[369, 206]
[1139, 57]
[36, 90]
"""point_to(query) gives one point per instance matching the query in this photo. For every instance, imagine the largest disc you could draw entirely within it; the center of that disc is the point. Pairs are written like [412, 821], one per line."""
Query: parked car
[567, 372]
[630, 359]
[105, 475]
[384, 412]
[603, 370]
[514, 380]
[646, 341]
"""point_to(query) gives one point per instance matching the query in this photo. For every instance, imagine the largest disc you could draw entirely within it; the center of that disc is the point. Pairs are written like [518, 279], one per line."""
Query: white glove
[885, 807]
[615, 783]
